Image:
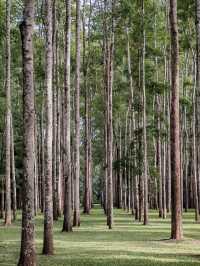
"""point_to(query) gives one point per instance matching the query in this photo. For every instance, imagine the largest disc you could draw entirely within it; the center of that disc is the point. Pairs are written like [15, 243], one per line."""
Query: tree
[55, 174]
[67, 224]
[197, 92]
[110, 53]
[14, 192]
[27, 254]
[8, 215]
[48, 212]
[76, 221]
[144, 122]
[176, 217]
[86, 198]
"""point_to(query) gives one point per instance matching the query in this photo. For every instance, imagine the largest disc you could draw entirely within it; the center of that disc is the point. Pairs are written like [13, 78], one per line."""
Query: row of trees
[110, 108]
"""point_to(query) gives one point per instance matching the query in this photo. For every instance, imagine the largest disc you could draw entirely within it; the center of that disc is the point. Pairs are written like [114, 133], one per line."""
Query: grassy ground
[129, 243]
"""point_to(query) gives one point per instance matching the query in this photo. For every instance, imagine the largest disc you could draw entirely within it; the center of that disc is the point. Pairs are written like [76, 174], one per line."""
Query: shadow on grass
[129, 243]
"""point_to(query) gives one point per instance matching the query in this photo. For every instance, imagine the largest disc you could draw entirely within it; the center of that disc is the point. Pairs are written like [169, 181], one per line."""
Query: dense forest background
[128, 17]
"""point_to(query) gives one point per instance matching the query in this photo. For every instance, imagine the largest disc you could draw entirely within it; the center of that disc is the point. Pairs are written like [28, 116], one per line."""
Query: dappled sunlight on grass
[129, 243]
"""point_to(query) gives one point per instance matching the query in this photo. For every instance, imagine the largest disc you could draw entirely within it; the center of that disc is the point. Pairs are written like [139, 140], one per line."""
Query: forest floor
[128, 243]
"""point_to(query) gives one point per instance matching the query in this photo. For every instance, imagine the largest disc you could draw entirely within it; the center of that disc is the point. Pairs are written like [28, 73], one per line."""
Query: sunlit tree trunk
[48, 213]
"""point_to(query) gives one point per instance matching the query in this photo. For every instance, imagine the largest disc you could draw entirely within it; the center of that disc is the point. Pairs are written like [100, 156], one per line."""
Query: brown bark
[28, 255]
[145, 222]
[86, 199]
[55, 122]
[76, 221]
[198, 90]
[48, 213]
[176, 217]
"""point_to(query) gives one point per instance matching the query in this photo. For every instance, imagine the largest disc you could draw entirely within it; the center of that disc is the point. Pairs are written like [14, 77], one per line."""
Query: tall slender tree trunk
[2, 199]
[139, 150]
[67, 224]
[59, 177]
[42, 159]
[110, 141]
[55, 122]
[58, 156]
[195, 185]
[76, 221]
[168, 158]
[90, 149]
[144, 122]
[198, 90]
[28, 255]
[125, 185]
[86, 199]
[120, 170]
[176, 217]
[8, 214]
[35, 167]
[48, 213]
[14, 192]
[110, 52]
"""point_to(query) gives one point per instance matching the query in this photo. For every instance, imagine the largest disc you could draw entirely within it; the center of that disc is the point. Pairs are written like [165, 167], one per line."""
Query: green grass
[129, 243]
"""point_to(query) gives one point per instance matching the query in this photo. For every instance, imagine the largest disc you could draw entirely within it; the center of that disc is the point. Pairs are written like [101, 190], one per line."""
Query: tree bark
[176, 217]
[14, 192]
[195, 185]
[67, 224]
[8, 214]
[28, 255]
[144, 122]
[76, 221]
[110, 51]
[55, 122]
[198, 90]
[86, 199]
[48, 213]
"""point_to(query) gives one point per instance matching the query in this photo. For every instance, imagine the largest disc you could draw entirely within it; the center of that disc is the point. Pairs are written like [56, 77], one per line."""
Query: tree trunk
[195, 187]
[14, 196]
[110, 141]
[86, 198]
[176, 217]
[198, 89]
[48, 213]
[144, 123]
[67, 224]
[28, 255]
[76, 221]
[2, 199]
[55, 122]
[8, 214]
[110, 50]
